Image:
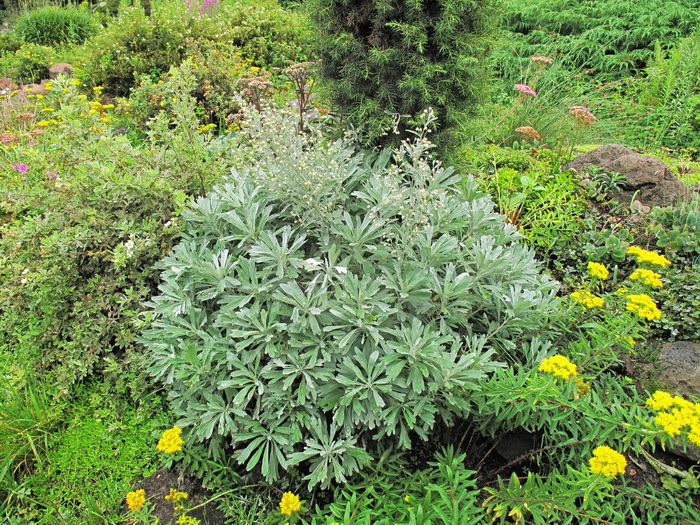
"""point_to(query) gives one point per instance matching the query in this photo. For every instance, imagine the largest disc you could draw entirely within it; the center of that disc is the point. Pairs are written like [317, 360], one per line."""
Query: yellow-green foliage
[135, 46]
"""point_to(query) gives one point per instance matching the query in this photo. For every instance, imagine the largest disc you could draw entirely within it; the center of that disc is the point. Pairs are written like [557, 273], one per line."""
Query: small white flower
[25, 271]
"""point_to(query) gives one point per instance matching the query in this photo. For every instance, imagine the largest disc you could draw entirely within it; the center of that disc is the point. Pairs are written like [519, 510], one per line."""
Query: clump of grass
[53, 25]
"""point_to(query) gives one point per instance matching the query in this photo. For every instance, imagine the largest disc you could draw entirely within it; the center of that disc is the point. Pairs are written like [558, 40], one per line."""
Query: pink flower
[51, 175]
[542, 60]
[31, 142]
[20, 167]
[582, 115]
[524, 88]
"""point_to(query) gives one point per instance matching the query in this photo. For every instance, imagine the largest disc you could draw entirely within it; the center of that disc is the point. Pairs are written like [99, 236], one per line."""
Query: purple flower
[51, 175]
[20, 167]
[31, 142]
[524, 88]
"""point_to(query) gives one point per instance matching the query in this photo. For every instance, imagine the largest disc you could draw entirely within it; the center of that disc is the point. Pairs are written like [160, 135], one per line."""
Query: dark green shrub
[28, 64]
[323, 299]
[381, 58]
[54, 25]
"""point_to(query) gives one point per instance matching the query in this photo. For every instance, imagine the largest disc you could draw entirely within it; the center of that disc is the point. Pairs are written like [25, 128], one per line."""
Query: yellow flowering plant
[610, 310]
[559, 366]
[139, 508]
[171, 442]
[607, 462]
[584, 412]
[676, 416]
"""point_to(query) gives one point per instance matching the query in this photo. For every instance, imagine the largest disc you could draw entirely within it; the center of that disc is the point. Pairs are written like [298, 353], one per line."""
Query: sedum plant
[324, 298]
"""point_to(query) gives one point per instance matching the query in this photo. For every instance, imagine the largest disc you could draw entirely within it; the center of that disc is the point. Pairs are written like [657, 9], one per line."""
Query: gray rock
[680, 367]
[647, 179]
[62, 68]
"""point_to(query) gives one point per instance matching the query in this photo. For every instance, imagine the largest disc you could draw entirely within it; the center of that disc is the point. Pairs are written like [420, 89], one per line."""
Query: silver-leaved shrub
[322, 299]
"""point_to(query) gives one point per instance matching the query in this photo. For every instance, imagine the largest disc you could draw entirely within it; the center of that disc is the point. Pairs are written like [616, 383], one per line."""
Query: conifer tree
[383, 57]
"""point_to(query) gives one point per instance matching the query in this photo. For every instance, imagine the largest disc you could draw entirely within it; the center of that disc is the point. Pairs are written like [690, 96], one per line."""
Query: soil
[158, 486]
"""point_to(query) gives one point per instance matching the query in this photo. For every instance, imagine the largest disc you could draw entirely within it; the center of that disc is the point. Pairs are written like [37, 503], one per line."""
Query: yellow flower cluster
[289, 503]
[645, 256]
[205, 128]
[607, 461]
[136, 500]
[582, 387]
[676, 415]
[625, 340]
[187, 520]
[176, 496]
[643, 305]
[597, 270]
[588, 299]
[171, 441]
[559, 366]
[648, 277]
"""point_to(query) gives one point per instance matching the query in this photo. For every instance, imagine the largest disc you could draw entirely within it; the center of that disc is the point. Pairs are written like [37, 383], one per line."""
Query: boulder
[62, 68]
[679, 368]
[35, 89]
[647, 179]
[7, 86]
[679, 371]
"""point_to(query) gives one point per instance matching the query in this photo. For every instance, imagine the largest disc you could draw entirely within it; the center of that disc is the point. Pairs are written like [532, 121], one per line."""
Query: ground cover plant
[612, 39]
[219, 306]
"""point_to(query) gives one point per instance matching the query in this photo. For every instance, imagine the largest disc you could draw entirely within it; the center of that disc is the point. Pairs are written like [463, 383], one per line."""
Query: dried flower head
[529, 132]
[524, 88]
[582, 115]
[542, 60]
